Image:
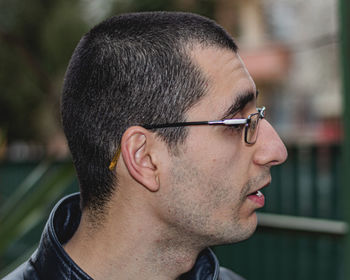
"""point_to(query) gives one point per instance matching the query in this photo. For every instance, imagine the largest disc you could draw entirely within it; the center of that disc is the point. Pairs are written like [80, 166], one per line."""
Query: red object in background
[267, 64]
[330, 131]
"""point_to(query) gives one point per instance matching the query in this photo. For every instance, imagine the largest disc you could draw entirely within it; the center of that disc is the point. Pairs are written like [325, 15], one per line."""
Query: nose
[270, 149]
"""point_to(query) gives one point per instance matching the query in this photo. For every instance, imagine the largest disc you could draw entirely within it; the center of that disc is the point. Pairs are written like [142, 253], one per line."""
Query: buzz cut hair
[131, 69]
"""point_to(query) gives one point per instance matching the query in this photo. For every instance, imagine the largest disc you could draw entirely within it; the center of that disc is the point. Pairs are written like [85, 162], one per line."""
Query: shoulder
[226, 274]
[25, 271]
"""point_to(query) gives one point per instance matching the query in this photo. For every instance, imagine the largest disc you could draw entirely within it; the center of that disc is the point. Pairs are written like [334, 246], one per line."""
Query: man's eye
[235, 127]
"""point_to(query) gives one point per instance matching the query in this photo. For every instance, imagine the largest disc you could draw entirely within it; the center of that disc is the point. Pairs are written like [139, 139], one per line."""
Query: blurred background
[298, 54]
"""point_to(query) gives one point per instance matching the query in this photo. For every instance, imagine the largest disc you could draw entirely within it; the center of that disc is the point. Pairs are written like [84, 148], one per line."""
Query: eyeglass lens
[252, 129]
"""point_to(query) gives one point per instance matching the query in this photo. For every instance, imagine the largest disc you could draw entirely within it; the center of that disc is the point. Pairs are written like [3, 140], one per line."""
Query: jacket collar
[52, 262]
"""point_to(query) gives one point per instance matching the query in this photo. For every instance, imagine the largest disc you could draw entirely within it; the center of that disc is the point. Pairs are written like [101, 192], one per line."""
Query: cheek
[229, 167]
[227, 178]
[214, 174]
[222, 185]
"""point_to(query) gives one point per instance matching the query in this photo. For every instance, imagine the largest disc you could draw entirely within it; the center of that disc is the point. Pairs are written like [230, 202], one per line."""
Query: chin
[237, 232]
[250, 226]
[244, 229]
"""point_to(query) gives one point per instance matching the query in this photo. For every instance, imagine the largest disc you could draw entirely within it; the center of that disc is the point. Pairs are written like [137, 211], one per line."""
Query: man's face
[214, 177]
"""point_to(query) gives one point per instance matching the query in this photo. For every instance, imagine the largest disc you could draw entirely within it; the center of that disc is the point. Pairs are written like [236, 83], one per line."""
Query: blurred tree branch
[36, 42]
[28, 57]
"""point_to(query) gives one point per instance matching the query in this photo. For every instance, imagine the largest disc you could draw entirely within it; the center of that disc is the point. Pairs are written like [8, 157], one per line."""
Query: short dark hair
[131, 69]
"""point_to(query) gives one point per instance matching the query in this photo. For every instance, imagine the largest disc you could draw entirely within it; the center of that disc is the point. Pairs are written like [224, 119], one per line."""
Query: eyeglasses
[251, 125]
[250, 129]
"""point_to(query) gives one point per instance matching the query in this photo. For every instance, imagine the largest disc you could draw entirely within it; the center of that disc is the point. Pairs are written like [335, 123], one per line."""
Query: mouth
[258, 197]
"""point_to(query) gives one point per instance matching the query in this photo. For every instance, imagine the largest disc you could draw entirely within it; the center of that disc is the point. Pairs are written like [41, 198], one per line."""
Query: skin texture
[211, 179]
[167, 206]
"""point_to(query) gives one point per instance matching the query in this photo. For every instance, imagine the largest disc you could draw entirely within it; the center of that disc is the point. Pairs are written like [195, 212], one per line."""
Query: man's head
[131, 70]
[156, 68]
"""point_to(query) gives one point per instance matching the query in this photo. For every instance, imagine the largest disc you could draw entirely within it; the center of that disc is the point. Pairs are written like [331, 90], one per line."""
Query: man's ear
[136, 150]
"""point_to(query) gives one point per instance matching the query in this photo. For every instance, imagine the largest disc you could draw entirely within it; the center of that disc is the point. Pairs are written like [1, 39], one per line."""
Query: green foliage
[36, 42]
[29, 205]
[152, 5]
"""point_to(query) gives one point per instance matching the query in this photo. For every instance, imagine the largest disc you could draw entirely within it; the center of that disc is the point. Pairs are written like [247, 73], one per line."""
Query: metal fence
[300, 233]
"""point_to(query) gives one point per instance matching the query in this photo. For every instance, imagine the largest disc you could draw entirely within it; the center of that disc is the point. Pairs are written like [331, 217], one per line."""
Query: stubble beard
[194, 220]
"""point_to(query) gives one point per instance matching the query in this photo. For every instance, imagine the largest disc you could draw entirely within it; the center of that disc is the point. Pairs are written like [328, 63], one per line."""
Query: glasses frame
[225, 122]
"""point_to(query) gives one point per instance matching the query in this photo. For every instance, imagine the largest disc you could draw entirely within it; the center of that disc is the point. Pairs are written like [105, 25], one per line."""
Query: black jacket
[50, 261]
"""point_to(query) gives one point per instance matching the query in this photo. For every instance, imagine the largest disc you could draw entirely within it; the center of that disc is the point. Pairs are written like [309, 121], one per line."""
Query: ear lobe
[135, 148]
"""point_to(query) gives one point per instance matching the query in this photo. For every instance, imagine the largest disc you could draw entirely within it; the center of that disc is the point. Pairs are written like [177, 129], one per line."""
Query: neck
[131, 245]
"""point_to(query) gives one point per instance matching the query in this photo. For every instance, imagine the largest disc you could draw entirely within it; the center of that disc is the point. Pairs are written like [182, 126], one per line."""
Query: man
[160, 181]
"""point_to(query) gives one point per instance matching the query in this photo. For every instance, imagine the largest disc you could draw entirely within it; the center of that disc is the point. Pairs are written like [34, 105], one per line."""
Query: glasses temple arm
[152, 126]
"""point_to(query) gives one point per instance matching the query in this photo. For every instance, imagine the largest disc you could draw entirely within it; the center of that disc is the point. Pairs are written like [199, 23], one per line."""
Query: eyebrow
[240, 102]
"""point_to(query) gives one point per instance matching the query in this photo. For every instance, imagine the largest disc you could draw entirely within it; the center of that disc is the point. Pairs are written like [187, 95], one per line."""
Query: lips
[257, 196]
